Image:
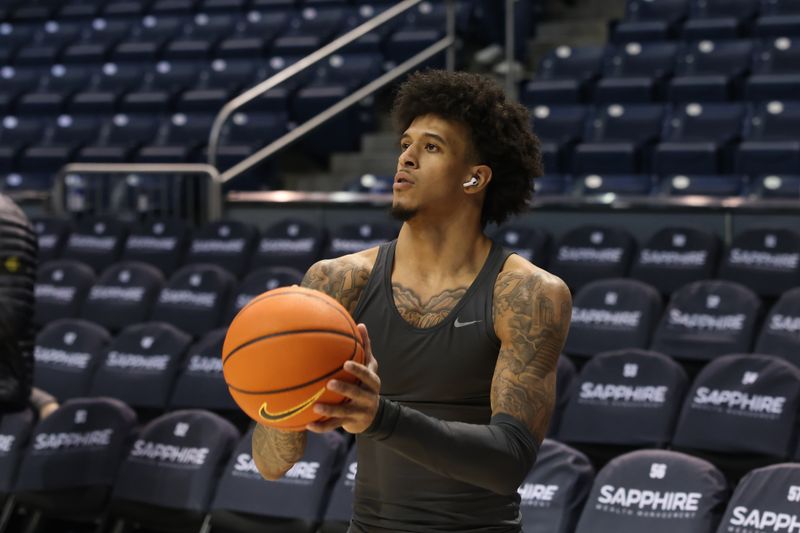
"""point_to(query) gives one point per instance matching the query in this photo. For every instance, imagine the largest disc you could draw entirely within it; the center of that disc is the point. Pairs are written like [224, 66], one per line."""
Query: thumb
[369, 359]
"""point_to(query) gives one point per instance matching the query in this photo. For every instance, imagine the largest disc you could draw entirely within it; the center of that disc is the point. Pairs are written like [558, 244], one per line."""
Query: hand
[356, 414]
[47, 409]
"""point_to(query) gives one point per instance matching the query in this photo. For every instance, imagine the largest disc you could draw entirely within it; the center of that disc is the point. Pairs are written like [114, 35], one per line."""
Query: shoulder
[342, 278]
[524, 290]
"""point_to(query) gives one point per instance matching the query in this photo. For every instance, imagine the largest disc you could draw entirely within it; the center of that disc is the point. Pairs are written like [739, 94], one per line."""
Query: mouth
[402, 177]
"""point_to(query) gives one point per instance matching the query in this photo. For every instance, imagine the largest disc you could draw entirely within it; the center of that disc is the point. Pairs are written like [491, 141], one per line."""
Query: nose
[408, 158]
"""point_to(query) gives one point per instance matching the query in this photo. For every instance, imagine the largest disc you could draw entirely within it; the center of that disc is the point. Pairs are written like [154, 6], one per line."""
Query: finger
[351, 391]
[367, 377]
[369, 357]
[324, 426]
[341, 410]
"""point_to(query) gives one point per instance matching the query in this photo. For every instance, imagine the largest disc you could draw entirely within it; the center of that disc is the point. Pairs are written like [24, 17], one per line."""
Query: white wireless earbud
[472, 182]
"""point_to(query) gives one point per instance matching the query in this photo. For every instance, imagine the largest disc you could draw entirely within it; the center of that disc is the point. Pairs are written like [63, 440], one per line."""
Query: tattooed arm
[532, 310]
[275, 451]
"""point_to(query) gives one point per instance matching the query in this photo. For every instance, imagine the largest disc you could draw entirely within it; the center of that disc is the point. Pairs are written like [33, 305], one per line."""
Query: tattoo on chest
[343, 281]
[429, 313]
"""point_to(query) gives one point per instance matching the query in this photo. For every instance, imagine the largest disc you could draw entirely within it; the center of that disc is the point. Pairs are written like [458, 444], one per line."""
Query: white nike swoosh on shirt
[459, 324]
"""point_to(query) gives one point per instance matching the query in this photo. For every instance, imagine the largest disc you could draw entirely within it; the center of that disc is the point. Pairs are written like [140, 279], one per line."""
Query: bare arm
[532, 316]
[276, 451]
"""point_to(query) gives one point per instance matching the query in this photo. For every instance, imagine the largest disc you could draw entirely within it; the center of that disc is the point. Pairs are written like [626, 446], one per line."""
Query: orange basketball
[281, 350]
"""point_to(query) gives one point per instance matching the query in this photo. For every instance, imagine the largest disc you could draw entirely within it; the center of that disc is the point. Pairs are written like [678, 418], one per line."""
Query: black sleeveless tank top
[444, 371]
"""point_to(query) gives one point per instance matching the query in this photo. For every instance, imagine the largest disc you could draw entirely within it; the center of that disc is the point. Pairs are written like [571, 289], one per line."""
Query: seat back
[200, 383]
[626, 123]
[766, 260]
[780, 333]
[289, 243]
[97, 243]
[704, 122]
[565, 62]
[625, 398]
[61, 287]
[641, 60]
[355, 237]
[15, 430]
[736, 397]
[588, 253]
[161, 243]
[706, 319]
[140, 365]
[227, 244]
[657, 491]
[726, 57]
[611, 314]
[260, 281]
[529, 243]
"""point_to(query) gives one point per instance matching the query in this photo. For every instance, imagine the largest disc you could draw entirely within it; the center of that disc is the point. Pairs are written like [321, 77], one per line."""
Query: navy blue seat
[51, 233]
[340, 506]
[778, 186]
[260, 281]
[564, 76]
[770, 142]
[200, 383]
[15, 428]
[619, 139]
[775, 75]
[140, 365]
[565, 384]
[290, 243]
[405, 43]
[355, 237]
[720, 185]
[61, 286]
[16, 80]
[635, 72]
[767, 260]
[161, 243]
[592, 252]
[711, 71]
[167, 479]
[649, 21]
[778, 18]
[765, 495]
[120, 138]
[528, 242]
[225, 243]
[614, 184]
[61, 142]
[96, 242]
[552, 185]
[296, 503]
[618, 503]
[780, 333]
[698, 138]
[107, 88]
[707, 319]
[16, 134]
[675, 256]
[183, 137]
[719, 19]
[559, 128]
[554, 491]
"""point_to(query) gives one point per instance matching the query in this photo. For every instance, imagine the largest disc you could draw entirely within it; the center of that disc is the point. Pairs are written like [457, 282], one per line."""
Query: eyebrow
[428, 134]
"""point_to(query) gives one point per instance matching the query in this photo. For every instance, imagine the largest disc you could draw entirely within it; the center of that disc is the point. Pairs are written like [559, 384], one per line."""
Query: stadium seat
[340, 504]
[183, 137]
[619, 139]
[767, 260]
[649, 21]
[70, 466]
[405, 43]
[289, 243]
[775, 75]
[525, 241]
[355, 237]
[16, 134]
[225, 243]
[676, 256]
[96, 242]
[612, 314]
[552, 185]
[140, 365]
[168, 478]
[564, 76]
[624, 400]
[553, 493]
[698, 139]
[120, 138]
[636, 72]
[765, 499]
[780, 333]
[772, 186]
[565, 383]
[719, 19]
[200, 384]
[67, 352]
[657, 491]
[260, 281]
[706, 319]
[52, 234]
[61, 287]
[123, 294]
[559, 128]
[711, 71]
[244, 501]
[733, 399]
[195, 298]
[778, 18]
[770, 142]
[614, 185]
[718, 186]
[161, 243]
[15, 431]
[588, 253]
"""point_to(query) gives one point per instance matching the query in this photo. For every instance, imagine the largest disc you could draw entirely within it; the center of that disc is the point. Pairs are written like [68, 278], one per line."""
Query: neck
[441, 250]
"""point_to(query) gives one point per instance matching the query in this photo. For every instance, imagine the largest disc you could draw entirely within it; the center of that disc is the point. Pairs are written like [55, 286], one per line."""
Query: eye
[404, 146]
[431, 147]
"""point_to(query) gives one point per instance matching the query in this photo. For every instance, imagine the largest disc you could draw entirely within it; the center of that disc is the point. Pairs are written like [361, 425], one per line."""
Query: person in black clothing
[18, 261]
[458, 386]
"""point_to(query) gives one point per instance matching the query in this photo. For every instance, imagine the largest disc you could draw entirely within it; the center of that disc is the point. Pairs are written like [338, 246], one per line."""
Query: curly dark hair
[500, 131]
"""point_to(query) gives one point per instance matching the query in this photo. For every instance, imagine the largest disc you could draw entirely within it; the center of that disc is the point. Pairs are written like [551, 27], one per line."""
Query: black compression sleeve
[496, 456]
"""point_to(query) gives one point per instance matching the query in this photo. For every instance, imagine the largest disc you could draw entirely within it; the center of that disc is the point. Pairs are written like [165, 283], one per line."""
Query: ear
[483, 174]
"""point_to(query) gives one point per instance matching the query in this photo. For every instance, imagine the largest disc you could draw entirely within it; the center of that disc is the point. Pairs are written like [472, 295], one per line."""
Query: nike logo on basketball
[270, 416]
[460, 324]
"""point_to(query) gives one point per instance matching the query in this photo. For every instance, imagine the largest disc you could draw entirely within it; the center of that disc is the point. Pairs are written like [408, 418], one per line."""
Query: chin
[402, 213]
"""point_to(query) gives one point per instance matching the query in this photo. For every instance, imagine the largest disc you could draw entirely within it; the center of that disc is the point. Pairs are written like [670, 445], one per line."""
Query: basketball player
[459, 381]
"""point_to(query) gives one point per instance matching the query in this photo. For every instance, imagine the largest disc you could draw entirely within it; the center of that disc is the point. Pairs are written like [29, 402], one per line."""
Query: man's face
[433, 165]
